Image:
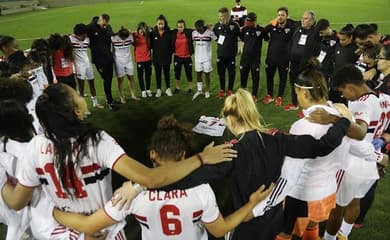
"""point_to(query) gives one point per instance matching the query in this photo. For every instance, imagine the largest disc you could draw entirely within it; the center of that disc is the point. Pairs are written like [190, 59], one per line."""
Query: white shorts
[84, 72]
[124, 69]
[203, 66]
[352, 187]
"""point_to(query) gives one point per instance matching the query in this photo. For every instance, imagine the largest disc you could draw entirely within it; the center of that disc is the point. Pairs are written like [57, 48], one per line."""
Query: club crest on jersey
[231, 27]
[258, 33]
[287, 30]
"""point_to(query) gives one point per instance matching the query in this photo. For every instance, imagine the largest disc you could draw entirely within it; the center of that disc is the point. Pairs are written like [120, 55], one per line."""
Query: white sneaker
[168, 92]
[149, 93]
[197, 94]
[158, 93]
[123, 100]
[143, 94]
[97, 105]
[207, 94]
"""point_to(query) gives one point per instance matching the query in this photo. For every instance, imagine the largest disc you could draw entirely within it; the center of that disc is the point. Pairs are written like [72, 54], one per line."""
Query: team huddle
[55, 168]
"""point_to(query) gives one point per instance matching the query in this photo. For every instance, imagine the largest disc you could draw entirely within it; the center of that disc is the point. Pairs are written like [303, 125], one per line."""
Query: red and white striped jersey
[121, 49]
[92, 176]
[203, 51]
[80, 52]
[368, 109]
[177, 214]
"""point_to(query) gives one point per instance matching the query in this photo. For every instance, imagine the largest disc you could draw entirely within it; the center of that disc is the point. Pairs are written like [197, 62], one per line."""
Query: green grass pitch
[134, 123]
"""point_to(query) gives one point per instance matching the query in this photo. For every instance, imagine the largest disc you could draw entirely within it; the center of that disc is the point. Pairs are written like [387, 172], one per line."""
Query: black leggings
[144, 67]
[228, 63]
[69, 80]
[158, 68]
[187, 63]
[106, 71]
[254, 68]
[270, 71]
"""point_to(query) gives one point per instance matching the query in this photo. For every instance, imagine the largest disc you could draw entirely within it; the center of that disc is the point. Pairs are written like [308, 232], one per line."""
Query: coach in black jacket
[227, 32]
[99, 33]
[303, 46]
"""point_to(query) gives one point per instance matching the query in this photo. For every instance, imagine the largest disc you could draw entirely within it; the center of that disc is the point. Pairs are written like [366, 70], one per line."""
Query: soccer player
[75, 159]
[252, 35]
[183, 48]
[180, 213]
[303, 46]
[202, 36]
[13, 56]
[83, 66]
[238, 13]
[121, 42]
[161, 39]
[370, 112]
[227, 32]
[143, 58]
[280, 34]
[62, 57]
[368, 33]
[345, 53]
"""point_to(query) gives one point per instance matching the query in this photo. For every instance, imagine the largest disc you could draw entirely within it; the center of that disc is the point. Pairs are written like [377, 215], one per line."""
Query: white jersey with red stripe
[203, 50]
[92, 176]
[312, 179]
[367, 108]
[177, 214]
[80, 50]
[121, 49]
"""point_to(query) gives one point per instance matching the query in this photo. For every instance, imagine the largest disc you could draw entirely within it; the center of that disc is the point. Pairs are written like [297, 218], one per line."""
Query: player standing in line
[75, 159]
[227, 32]
[143, 58]
[182, 213]
[83, 66]
[252, 35]
[345, 53]
[161, 39]
[370, 112]
[238, 13]
[62, 57]
[183, 48]
[121, 42]
[202, 36]
[280, 34]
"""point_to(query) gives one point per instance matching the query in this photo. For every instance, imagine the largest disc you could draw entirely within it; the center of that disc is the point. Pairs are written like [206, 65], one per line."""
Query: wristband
[138, 188]
[200, 159]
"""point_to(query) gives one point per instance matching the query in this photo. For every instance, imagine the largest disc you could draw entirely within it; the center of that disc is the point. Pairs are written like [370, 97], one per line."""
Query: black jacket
[161, 46]
[302, 51]
[279, 39]
[100, 44]
[230, 32]
[188, 33]
[253, 42]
